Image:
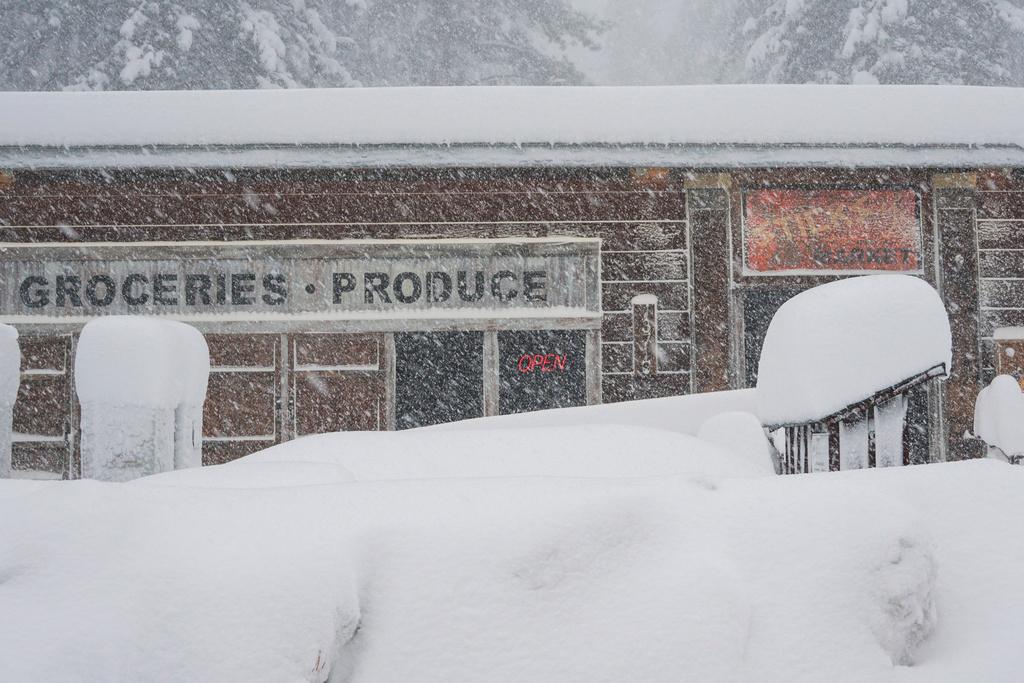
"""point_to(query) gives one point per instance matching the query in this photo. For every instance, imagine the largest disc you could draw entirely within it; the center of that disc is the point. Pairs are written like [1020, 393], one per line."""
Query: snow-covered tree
[471, 42]
[659, 42]
[195, 44]
[150, 44]
[980, 42]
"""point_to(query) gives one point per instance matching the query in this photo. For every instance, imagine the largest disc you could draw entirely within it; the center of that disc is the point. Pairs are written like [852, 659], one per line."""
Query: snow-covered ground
[402, 557]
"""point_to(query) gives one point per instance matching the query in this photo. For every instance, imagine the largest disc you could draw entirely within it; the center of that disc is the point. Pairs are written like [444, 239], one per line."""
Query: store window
[541, 369]
[438, 377]
[43, 442]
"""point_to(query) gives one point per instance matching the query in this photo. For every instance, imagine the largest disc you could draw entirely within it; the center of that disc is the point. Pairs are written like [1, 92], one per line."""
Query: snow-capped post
[837, 363]
[188, 415]
[137, 379]
[999, 419]
[10, 379]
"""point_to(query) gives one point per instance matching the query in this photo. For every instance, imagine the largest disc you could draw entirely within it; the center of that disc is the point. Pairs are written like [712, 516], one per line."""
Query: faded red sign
[829, 230]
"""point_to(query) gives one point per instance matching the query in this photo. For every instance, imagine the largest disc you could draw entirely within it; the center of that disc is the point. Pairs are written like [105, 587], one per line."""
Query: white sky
[659, 42]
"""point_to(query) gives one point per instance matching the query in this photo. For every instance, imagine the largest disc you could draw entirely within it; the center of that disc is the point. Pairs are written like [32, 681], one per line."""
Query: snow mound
[255, 475]
[742, 434]
[597, 590]
[10, 365]
[683, 414]
[767, 579]
[837, 344]
[171, 584]
[999, 415]
[592, 451]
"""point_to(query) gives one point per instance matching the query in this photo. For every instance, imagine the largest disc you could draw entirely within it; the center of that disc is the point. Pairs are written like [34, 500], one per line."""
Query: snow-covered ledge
[719, 125]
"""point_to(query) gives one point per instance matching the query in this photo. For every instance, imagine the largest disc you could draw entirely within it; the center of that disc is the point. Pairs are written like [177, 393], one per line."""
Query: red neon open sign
[550, 362]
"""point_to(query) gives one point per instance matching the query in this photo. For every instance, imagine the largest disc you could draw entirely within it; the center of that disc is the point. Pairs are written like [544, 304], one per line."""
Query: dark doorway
[439, 377]
[759, 305]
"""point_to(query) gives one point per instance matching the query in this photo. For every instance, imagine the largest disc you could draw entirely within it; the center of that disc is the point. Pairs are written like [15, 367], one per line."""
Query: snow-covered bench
[837, 364]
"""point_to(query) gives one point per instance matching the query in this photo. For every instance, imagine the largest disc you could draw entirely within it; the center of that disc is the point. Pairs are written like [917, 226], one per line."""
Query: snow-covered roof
[746, 125]
[840, 343]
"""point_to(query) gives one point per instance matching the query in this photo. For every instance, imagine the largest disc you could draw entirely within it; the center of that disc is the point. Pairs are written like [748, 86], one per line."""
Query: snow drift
[682, 414]
[10, 380]
[512, 579]
[543, 553]
[839, 343]
[601, 451]
[741, 434]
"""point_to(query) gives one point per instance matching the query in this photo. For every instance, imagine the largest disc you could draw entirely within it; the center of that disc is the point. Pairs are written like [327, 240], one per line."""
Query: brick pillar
[957, 275]
[707, 209]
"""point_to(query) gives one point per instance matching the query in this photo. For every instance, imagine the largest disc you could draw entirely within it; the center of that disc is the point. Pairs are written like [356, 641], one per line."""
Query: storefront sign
[819, 231]
[370, 277]
[542, 362]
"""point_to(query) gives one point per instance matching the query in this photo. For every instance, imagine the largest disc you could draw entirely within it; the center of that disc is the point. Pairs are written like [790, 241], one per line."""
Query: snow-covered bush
[138, 378]
[840, 343]
[10, 379]
[999, 417]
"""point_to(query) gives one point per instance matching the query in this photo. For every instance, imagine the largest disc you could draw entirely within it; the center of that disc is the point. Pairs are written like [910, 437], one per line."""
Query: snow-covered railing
[837, 363]
[868, 433]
